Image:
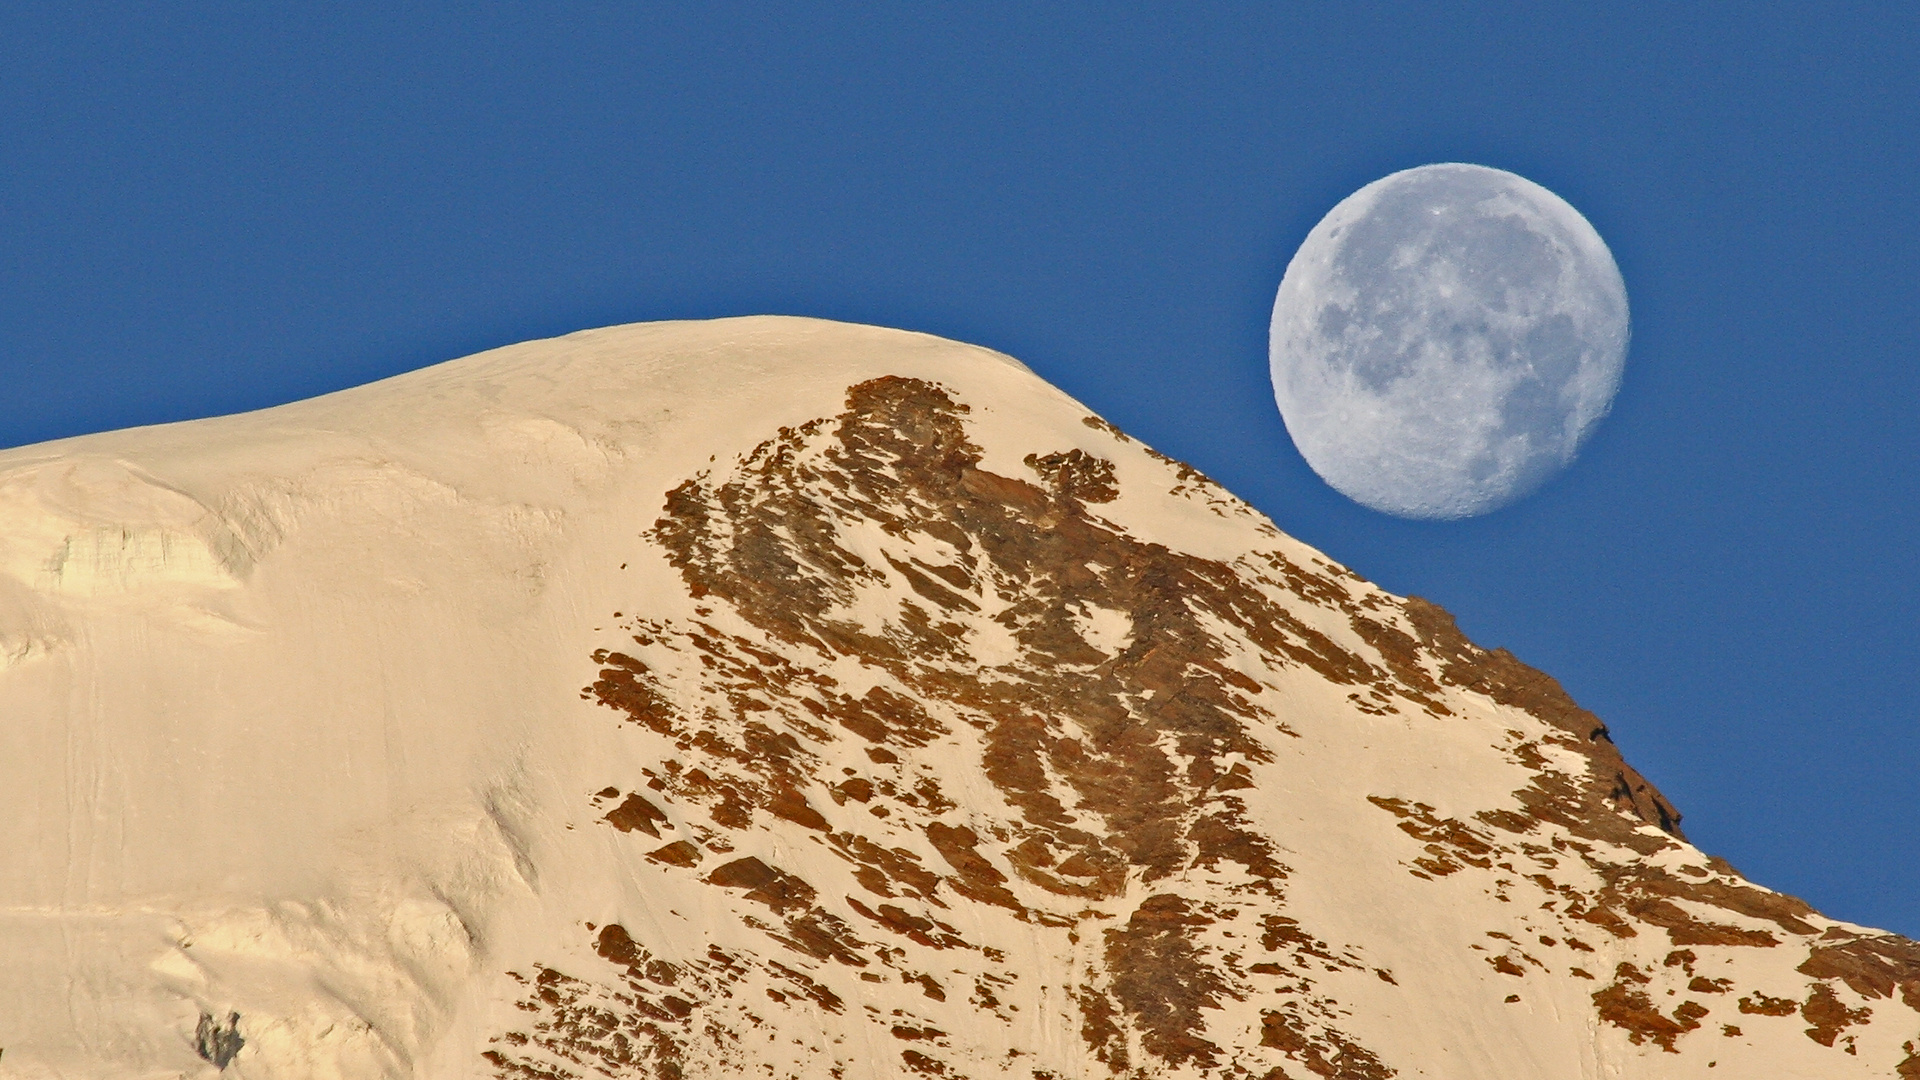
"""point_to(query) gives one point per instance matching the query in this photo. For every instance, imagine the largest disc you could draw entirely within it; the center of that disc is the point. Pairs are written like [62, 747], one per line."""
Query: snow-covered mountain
[779, 698]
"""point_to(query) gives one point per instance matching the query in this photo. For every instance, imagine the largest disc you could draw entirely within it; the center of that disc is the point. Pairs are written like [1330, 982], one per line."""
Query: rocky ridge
[948, 731]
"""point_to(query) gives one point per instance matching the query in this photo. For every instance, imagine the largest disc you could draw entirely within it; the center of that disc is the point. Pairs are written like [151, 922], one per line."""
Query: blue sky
[210, 208]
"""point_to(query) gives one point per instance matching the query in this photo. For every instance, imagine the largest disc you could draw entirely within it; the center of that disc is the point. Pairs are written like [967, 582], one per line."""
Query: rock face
[770, 697]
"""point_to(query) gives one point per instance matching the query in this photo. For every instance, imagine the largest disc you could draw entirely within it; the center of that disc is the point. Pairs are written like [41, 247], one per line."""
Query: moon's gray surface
[1445, 340]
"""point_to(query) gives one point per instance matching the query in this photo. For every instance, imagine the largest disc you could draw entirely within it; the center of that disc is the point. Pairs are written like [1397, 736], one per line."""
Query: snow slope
[774, 697]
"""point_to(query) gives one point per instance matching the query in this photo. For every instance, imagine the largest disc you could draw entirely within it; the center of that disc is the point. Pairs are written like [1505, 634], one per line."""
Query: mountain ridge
[925, 724]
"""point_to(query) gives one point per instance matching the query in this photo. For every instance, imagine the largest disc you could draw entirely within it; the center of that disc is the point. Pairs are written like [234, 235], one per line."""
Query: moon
[1446, 339]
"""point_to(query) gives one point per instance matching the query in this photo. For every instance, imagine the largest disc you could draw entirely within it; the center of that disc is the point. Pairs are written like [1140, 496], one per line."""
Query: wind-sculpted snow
[782, 699]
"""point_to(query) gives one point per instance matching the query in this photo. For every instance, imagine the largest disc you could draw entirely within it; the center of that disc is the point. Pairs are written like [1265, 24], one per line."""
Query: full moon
[1446, 339]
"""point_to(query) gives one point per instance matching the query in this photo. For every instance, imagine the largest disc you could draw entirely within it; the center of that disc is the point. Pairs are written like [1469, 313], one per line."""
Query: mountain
[779, 698]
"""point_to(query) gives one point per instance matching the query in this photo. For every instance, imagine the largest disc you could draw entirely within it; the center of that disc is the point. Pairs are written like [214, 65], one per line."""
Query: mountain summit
[780, 698]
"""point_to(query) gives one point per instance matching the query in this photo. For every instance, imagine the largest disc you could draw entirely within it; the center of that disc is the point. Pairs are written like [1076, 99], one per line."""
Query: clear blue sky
[208, 208]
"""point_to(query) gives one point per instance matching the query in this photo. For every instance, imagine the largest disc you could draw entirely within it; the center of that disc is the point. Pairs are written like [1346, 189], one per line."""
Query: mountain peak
[786, 697]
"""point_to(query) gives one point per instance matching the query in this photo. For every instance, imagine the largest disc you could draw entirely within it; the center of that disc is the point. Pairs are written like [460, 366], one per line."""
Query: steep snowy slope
[771, 697]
